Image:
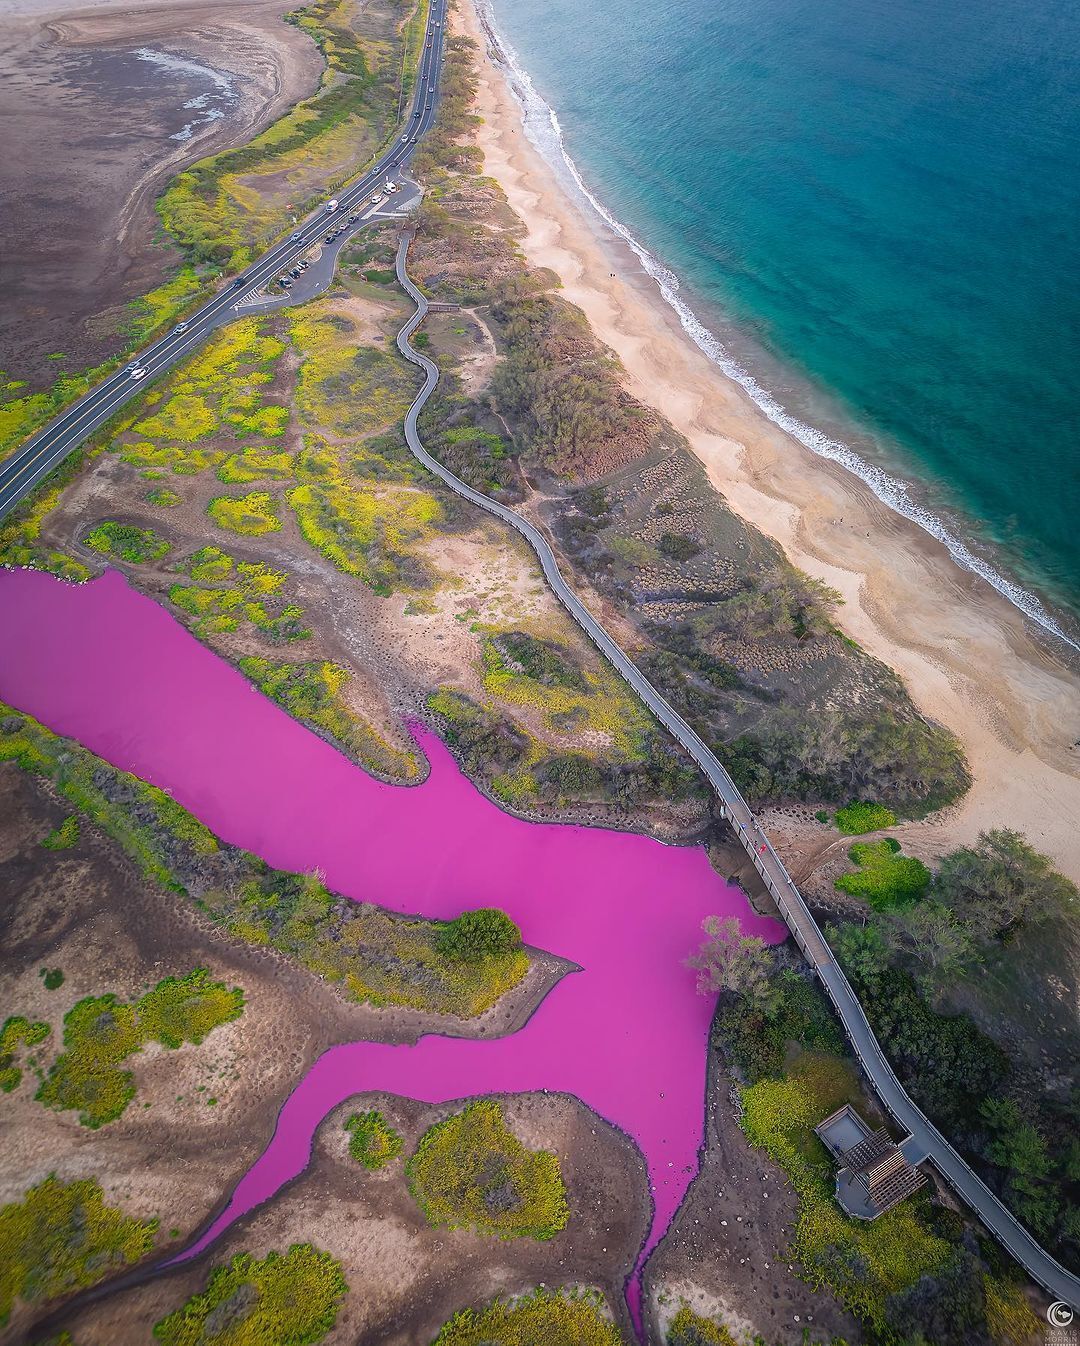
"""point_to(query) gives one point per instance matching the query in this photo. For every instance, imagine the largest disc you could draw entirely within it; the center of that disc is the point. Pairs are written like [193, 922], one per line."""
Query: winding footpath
[926, 1141]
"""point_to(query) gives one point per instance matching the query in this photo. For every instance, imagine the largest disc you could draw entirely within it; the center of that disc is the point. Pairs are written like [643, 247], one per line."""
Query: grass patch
[373, 1142]
[62, 1237]
[885, 879]
[17, 1033]
[252, 515]
[291, 1299]
[472, 1172]
[858, 818]
[343, 388]
[65, 836]
[312, 692]
[101, 1032]
[553, 1317]
[137, 546]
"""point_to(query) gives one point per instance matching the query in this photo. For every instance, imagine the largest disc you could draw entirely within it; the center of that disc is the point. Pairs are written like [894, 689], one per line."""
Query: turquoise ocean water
[870, 213]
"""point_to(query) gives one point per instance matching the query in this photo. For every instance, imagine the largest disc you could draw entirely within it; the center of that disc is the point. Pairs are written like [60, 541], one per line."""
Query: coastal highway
[51, 445]
[925, 1141]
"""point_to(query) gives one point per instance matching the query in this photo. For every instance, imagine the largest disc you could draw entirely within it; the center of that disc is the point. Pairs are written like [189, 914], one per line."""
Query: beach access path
[925, 1140]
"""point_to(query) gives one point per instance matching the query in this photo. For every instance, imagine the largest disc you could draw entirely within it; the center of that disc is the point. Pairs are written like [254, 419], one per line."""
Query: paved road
[925, 1139]
[52, 444]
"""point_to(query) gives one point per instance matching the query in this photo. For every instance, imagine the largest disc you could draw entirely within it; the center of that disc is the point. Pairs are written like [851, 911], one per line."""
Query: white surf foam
[543, 128]
[204, 103]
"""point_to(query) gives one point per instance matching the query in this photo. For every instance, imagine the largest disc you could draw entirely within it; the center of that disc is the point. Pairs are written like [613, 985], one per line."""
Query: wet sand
[89, 145]
[969, 659]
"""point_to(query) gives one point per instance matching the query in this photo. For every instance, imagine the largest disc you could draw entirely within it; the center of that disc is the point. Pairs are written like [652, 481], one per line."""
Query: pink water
[627, 1034]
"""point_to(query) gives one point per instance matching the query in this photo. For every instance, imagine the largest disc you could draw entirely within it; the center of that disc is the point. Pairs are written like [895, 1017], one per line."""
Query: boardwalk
[926, 1141]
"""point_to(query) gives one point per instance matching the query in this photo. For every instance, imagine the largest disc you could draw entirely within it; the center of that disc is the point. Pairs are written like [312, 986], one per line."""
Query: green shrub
[678, 547]
[17, 1033]
[252, 515]
[100, 1033]
[62, 1237]
[885, 879]
[472, 1172]
[137, 546]
[53, 978]
[373, 1142]
[543, 1318]
[65, 836]
[284, 1299]
[856, 819]
[486, 932]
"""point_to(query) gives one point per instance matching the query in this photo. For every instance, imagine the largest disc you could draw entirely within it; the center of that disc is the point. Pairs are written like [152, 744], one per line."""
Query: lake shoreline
[970, 659]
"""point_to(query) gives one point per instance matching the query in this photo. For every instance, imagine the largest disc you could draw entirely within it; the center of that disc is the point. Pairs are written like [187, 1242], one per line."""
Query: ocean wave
[543, 128]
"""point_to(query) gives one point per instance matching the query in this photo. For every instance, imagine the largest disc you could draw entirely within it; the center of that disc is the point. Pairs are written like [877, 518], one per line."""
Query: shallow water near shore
[627, 1034]
[875, 211]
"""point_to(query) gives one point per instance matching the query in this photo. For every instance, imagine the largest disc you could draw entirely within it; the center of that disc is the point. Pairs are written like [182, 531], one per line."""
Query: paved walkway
[926, 1138]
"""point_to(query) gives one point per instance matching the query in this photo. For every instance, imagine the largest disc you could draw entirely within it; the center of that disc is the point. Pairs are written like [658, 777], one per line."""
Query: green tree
[863, 952]
[932, 935]
[728, 960]
[1000, 883]
[486, 932]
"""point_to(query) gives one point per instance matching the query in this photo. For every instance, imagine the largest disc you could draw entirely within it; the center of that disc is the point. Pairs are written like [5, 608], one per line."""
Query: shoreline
[968, 656]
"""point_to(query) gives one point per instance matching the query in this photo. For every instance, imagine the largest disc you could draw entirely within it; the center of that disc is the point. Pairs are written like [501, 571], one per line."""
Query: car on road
[181, 327]
[238, 282]
[295, 236]
[139, 373]
[133, 366]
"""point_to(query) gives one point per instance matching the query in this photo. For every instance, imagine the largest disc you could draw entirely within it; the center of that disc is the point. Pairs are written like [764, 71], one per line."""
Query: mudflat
[102, 104]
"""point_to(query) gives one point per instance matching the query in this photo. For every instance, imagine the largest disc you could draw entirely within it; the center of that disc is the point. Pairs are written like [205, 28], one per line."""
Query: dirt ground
[91, 140]
[406, 1278]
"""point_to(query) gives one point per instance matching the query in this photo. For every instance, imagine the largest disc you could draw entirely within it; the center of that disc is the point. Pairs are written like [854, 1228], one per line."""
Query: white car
[376, 199]
[139, 373]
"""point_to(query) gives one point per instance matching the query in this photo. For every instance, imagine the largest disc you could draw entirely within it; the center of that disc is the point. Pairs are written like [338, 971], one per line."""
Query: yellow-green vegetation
[553, 1317]
[862, 1262]
[65, 836]
[485, 932]
[262, 463]
[20, 532]
[224, 205]
[373, 1142]
[540, 674]
[885, 879]
[62, 1237]
[220, 390]
[17, 1033]
[472, 1172]
[253, 514]
[367, 533]
[858, 818]
[227, 592]
[101, 1032]
[345, 388]
[163, 497]
[691, 1329]
[282, 1299]
[137, 546]
[312, 692]
[1009, 1316]
[142, 818]
[377, 957]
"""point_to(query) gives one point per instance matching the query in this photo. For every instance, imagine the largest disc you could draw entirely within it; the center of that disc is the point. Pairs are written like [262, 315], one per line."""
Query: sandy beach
[968, 656]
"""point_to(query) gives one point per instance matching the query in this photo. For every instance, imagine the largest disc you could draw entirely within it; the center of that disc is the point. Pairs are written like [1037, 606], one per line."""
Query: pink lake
[627, 1034]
